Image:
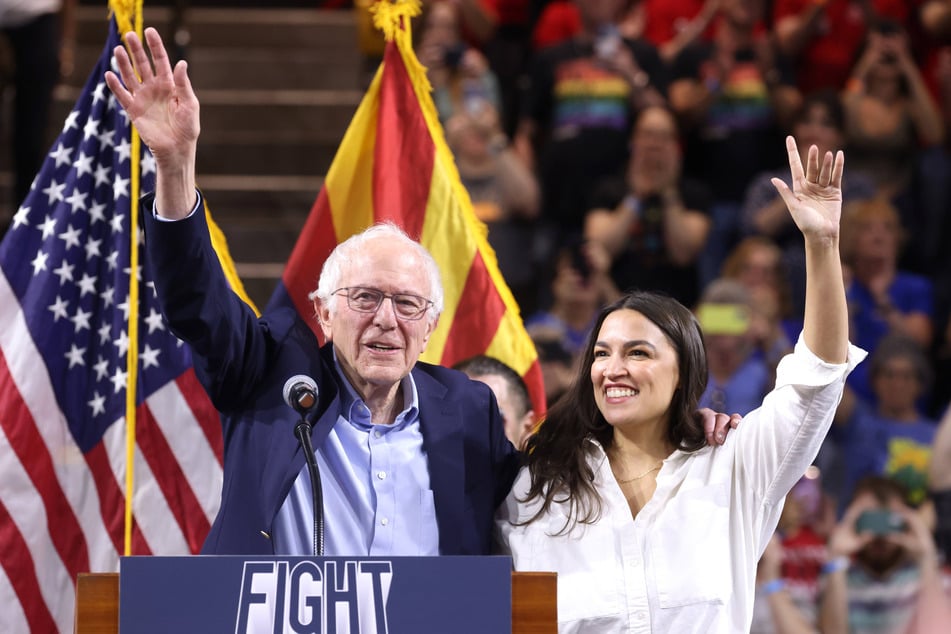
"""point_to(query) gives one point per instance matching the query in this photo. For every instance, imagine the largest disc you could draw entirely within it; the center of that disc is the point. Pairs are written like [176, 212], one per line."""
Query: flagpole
[122, 10]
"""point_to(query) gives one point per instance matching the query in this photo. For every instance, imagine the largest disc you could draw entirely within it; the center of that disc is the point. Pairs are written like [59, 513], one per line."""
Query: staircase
[277, 87]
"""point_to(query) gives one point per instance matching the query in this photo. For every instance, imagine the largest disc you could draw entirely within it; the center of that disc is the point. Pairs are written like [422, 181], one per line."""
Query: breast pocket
[690, 547]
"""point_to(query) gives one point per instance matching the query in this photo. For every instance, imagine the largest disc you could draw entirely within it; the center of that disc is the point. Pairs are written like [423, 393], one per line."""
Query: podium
[297, 594]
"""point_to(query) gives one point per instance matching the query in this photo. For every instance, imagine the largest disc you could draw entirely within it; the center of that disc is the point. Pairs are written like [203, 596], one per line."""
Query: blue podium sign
[308, 595]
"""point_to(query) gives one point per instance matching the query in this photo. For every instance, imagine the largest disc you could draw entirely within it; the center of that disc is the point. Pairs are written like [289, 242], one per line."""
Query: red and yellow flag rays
[393, 164]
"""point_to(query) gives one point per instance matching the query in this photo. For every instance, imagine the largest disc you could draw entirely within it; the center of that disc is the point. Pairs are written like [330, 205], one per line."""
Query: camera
[452, 56]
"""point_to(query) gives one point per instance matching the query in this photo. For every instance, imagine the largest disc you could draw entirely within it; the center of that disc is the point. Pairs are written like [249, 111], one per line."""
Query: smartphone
[452, 56]
[607, 42]
[880, 522]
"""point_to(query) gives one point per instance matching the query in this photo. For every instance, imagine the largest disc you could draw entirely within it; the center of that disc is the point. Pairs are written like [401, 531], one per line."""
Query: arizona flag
[66, 333]
[394, 165]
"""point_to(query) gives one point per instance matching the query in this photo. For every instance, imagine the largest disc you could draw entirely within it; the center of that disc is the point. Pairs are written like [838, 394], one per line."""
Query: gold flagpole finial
[393, 16]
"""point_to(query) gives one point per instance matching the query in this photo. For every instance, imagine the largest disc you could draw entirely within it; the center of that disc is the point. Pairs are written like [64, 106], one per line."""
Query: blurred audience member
[738, 378]
[882, 299]
[936, 22]
[823, 37]
[657, 222]
[579, 109]
[581, 285]
[504, 194]
[820, 122]
[889, 111]
[883, 575]
[560, 20]
[556, 363]
[510, 392]
[757, 264]
[806, 521]
[895, 134]
[892, 437]
[672, 25]
[459, 73]
[509, 53]
[774, 610]
[734, 95]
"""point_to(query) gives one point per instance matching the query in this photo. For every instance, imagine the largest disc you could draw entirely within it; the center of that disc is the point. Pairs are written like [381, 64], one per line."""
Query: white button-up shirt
[687, 563]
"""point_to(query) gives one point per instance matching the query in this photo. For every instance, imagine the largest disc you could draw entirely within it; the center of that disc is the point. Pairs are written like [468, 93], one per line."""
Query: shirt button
[381, 475]
[377, 434]
[639, 616]
[384, 522]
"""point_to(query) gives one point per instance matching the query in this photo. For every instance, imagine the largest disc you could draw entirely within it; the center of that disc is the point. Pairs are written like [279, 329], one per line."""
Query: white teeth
[617, 392]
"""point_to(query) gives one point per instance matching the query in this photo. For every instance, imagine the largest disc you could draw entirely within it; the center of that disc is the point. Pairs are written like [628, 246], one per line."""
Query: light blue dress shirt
[376, 493]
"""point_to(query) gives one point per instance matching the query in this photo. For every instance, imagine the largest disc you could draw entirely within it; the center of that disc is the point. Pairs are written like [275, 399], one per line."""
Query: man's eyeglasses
[368, 300]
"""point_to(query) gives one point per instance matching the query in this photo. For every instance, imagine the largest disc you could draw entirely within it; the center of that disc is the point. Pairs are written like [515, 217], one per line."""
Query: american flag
[64, 338]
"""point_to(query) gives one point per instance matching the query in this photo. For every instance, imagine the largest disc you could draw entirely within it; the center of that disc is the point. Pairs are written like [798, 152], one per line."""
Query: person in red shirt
[823, 36]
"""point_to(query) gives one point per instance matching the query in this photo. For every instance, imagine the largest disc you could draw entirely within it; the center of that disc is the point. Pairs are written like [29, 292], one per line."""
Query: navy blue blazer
[243, 362]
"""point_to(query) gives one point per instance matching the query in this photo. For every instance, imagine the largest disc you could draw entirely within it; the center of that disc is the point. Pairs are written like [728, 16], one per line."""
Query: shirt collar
[355, 410]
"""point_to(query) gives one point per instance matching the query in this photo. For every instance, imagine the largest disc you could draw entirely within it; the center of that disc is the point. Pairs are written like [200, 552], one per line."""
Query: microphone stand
[302, 431]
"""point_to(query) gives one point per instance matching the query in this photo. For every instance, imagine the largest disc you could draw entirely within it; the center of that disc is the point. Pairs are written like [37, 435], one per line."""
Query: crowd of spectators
[618, 144]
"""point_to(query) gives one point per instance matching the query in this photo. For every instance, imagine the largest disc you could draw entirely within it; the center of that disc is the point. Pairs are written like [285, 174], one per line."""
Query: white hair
[351, 248]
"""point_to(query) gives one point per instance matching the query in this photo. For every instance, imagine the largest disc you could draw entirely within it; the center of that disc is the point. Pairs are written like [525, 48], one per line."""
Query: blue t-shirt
[741, 393]
[909, 293]
[875, 445]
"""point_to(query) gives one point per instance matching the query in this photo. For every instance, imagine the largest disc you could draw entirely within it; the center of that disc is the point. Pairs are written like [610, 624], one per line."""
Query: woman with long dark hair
[649, 528]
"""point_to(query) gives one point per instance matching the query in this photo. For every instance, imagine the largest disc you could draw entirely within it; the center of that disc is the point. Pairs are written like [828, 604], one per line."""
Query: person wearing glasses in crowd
[412, 457]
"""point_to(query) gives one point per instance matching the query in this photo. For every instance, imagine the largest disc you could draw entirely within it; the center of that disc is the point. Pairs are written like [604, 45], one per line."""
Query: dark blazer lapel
[286, 451]
[441, 424]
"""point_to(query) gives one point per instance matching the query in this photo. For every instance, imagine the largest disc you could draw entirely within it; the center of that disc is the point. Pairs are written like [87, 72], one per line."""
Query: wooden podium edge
[534, 603]
[97, 603]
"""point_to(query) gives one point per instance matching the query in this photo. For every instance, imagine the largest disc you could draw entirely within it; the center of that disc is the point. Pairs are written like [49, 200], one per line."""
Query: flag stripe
[403, 143]
[149, 507]
[170, 478]
[21, 576]
[347, 197]
[185, 436]
[478, 314]
[27, 520]
[203, 413]
[32, 388]
[111, 498]
[28, 446]
[12, 617]
[317, 240]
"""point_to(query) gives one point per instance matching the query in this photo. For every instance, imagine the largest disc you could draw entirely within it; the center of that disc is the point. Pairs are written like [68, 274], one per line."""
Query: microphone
[300, 392]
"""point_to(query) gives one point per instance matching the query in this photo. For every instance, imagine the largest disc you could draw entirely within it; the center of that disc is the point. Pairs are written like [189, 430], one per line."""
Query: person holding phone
[883, 572]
